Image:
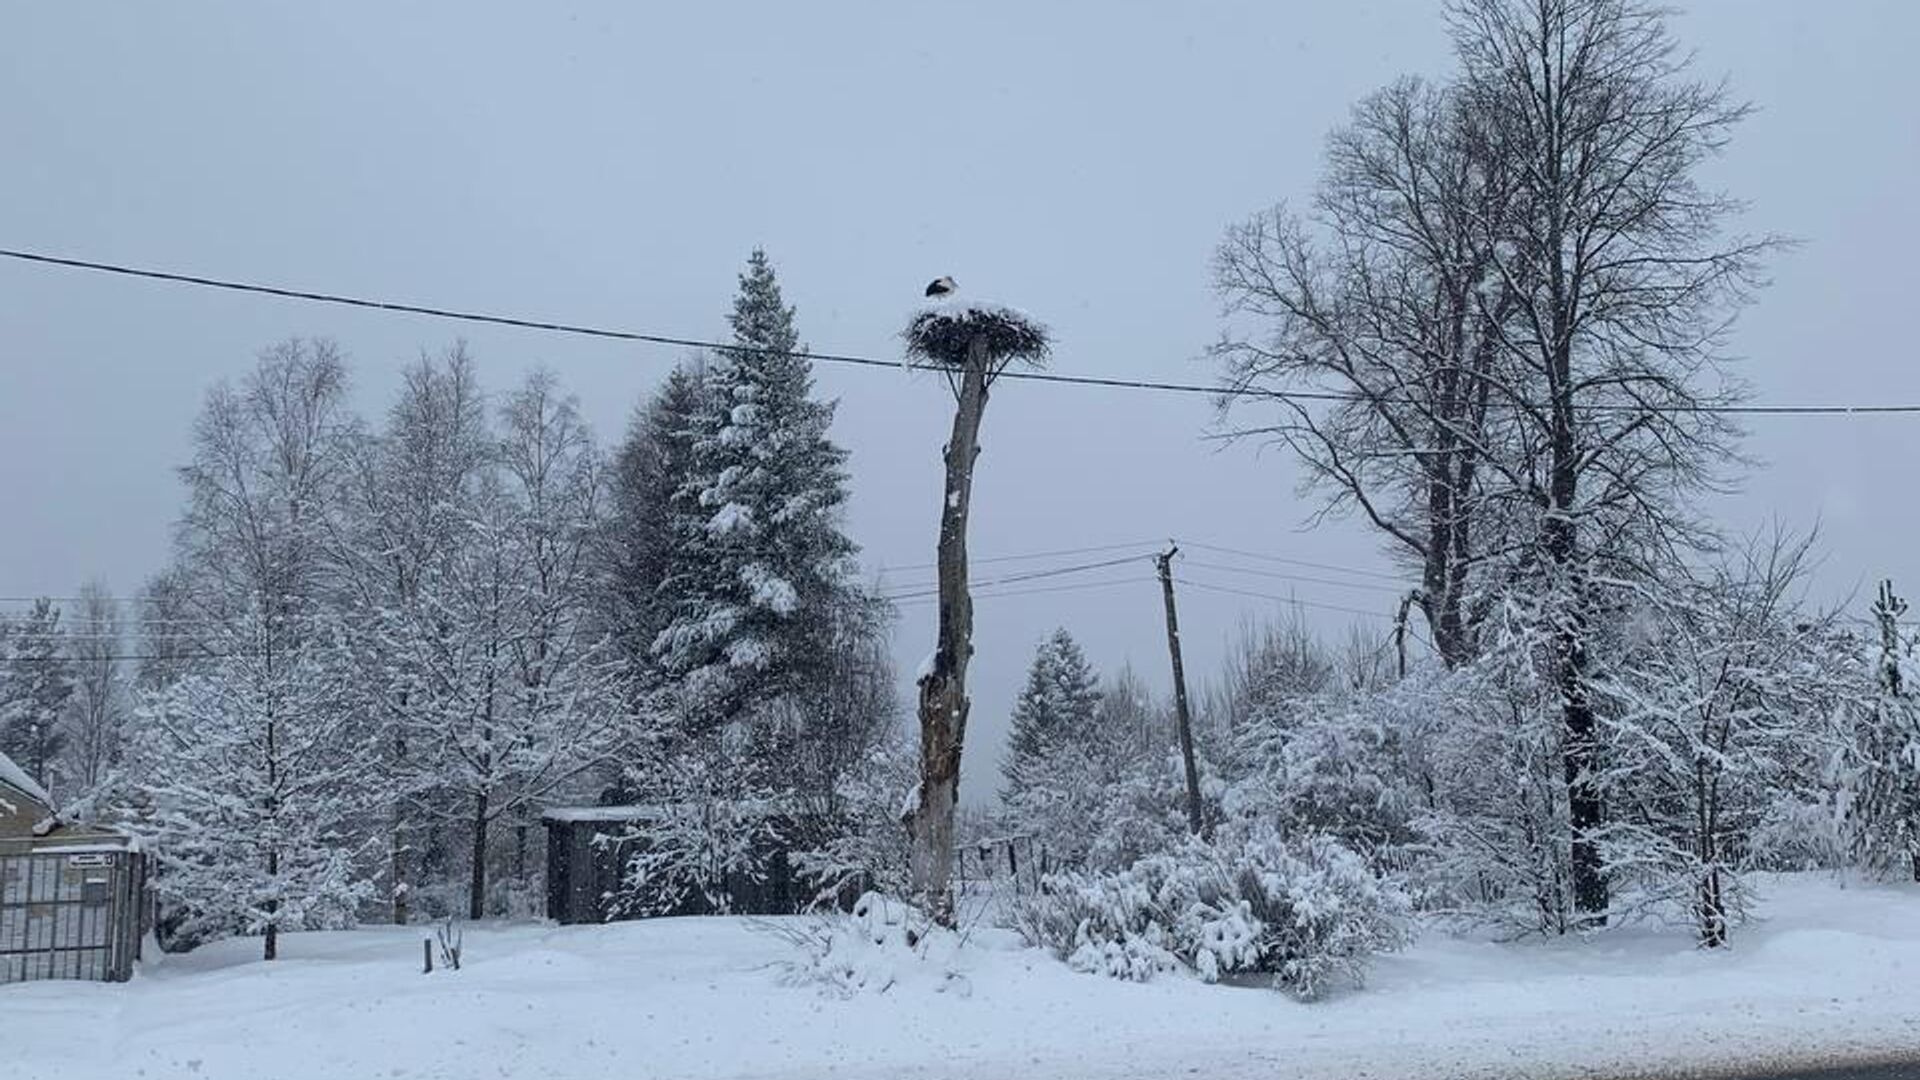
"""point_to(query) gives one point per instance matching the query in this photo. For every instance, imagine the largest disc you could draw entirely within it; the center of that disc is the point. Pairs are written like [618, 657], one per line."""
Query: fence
[71, 914]
[1016, 859]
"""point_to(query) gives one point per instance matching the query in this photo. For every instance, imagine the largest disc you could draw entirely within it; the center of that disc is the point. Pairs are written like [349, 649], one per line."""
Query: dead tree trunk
[943, 690]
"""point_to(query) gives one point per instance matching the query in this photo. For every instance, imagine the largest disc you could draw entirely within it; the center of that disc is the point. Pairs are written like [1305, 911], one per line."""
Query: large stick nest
[942, 334]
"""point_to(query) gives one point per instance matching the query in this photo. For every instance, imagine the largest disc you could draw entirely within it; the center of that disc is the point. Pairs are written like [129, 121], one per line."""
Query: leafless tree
[1619, 282]
[97, 710]
[1504, 352]
[1367, 326]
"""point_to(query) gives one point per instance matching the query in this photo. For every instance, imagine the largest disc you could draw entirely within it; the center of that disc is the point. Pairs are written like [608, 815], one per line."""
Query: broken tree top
[943, 330]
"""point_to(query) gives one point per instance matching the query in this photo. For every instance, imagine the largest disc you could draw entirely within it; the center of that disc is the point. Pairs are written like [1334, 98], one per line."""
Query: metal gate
[71, 914]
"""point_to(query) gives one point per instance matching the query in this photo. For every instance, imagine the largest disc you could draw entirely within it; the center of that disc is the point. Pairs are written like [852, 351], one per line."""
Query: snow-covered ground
[1830, 972]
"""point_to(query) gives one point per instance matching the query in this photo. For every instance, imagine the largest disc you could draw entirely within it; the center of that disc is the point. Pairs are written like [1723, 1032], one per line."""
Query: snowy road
[1905, 1070]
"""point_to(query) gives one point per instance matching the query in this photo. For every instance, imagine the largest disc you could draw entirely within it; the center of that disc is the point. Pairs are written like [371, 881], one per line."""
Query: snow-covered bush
[1143, 812]
[1318, 910]
[867, 848]
[877, 945]
[1305, 910]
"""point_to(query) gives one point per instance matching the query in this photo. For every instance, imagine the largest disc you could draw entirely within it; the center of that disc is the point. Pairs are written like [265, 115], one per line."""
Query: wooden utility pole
[1400, 629]
[1181, 715]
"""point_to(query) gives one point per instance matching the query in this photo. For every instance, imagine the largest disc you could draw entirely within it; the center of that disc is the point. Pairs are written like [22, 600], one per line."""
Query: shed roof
[635, 812]
[16, 777]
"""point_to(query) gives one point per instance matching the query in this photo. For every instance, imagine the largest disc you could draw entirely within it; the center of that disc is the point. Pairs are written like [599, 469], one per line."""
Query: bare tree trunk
[943, 690]
[272, 951]
[477, 884]
[397, 868]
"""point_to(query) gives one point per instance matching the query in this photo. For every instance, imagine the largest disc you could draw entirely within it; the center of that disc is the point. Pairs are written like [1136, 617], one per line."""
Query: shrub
[1306, 910]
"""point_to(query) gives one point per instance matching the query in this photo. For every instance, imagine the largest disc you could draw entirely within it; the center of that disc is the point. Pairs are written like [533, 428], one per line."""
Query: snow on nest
[956, 306]
[16, 777]
[941, 329]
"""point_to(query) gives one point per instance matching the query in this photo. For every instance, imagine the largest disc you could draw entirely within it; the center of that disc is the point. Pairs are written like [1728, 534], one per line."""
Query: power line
[553, 326]
[1329, 567]
[1283, 599]
[1031, 575]
[1277, 575]
[1075, 587]
[1030, 555]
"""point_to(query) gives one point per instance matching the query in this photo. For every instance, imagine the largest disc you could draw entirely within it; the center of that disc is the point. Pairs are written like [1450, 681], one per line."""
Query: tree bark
[943, 700]
[477, 885]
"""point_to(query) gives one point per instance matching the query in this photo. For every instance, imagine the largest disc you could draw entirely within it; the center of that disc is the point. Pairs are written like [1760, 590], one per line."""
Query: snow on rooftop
[16, 777]
[602, 813]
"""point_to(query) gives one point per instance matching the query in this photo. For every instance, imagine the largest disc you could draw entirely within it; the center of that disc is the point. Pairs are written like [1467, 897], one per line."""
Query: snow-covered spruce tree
[1050, 770]
[639, 551]
[765, 566]
[252, 778]
[36, 682]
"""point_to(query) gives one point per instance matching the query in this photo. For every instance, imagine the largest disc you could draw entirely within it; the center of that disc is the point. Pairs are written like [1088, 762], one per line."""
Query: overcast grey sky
[614, 164]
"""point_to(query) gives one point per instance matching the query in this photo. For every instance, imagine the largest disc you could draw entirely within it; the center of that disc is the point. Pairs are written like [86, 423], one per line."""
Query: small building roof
[634, 812]
[16, 777]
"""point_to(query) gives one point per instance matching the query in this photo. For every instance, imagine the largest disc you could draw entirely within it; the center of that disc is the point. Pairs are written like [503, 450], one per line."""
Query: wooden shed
[587, 852]
[74, 902]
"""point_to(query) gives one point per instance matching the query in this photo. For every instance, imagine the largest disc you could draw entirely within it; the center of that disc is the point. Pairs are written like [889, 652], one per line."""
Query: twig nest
[942, 332]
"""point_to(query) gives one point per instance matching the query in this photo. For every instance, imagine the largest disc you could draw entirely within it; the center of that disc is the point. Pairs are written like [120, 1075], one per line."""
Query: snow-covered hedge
[1305, 909]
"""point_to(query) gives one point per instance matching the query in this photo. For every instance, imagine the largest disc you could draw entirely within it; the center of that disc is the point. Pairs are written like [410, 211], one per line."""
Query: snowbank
[1828, 973]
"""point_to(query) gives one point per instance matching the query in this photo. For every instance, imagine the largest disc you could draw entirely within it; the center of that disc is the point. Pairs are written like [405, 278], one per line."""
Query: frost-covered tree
[1056, 708]
[253, 662]
[1519, 309]
[96, 720]
[1709, 715]
[766, 562]
[264, 486]
[251, 780]
[1881, 785]
[36, 683]
[502, 686]
[412, 501]
[1054, 758]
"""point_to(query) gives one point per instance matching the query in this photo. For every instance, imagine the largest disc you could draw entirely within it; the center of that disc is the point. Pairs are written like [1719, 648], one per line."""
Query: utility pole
[1181, 716]
[1400, 628]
